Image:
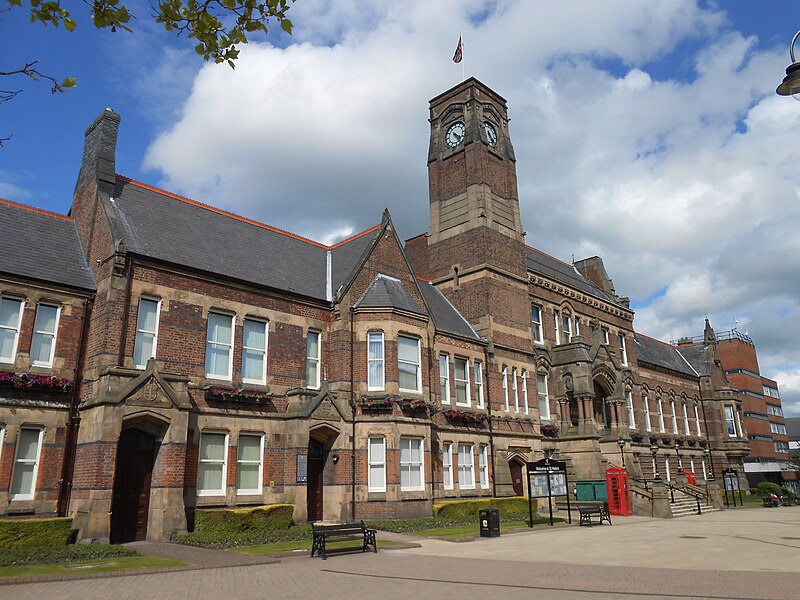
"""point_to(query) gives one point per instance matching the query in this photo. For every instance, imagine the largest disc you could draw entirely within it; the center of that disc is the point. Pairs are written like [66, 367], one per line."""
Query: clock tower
[476, 245]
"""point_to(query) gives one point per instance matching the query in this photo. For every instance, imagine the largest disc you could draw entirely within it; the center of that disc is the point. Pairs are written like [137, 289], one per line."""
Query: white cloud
[687, 187]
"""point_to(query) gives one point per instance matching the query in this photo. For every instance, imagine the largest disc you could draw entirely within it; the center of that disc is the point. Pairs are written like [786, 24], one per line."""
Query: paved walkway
[736, 555]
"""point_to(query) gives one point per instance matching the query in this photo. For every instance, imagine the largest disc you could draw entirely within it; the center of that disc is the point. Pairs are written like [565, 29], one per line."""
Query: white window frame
[54, 335]
[505, 388]
[483, 465]
[697, 420]
[605, 335]
[10, 359]
[260, 462]
[674, 416]
[730, 421]
[374, 337]
[213, 491]
[465, 382]
[566, 327]
[263, 351]
[557, 318]
[686, 429]
[623, 350]
[214, 343]
[538, 330]
[444, 378]
[631, 414]
[29, 494]
[514, 388]
[478, 374]
[411, 465]
[661, 427]
[140, 332]
[666, 468]
[738, 422]
[417, 365]
[646, 405]
[376, 462]
[314, 385]
[525, 391]
[466, 467]
[447, 465]
[546, 416]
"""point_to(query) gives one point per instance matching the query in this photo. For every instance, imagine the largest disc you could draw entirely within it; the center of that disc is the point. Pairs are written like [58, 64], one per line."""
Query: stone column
[661, 506]
[714, 497]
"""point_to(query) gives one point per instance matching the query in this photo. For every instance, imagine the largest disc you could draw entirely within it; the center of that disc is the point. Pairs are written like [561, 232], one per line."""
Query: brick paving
[757, 557]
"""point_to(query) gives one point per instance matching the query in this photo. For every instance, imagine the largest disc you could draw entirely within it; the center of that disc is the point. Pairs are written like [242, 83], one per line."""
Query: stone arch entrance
[517, 468]
[320, 442]
[602, 405]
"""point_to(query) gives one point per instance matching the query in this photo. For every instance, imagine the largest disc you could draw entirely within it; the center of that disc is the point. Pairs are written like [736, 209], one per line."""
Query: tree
[218, 26]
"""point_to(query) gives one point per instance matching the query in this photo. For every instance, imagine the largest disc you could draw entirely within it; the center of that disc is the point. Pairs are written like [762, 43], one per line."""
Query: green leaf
[69, 82]
[286, 25]
[69, 24]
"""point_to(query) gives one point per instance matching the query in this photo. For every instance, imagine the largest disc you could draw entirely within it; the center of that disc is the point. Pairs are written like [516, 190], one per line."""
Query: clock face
[455, 134]
[491, 134]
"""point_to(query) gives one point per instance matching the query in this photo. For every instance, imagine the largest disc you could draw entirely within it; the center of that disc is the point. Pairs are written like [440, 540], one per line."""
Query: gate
[619, 497]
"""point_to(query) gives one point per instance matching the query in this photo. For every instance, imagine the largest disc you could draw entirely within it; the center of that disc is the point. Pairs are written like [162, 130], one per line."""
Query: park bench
[323, 533]
[593, 510]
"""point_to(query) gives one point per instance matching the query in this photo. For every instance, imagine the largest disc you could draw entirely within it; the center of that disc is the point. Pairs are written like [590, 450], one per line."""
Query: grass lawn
[305, 546]
[463, 531]
[103, 565]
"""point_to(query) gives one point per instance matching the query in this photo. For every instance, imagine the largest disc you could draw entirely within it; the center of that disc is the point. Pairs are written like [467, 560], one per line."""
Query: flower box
[27, 381]
[375, 404]
[413, 405]
[550, 431]
[237, 395]
[467, 418]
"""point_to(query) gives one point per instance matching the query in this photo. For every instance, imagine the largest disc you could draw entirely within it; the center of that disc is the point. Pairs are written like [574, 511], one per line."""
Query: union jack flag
[459, 51]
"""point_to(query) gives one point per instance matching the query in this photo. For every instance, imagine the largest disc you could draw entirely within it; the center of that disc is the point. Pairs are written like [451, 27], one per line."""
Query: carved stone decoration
[326, 411]
[150, 394]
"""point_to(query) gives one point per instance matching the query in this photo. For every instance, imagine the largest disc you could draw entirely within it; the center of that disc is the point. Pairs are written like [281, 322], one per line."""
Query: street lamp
[654, 450]
[706, 456]
[621, 444]
[790, 86]
[678, 454]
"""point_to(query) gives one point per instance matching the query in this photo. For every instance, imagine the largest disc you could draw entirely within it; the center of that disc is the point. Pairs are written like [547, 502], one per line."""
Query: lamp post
[654, 451]
[706, 455]
[621, 444]
[678, 454]
[790, 86]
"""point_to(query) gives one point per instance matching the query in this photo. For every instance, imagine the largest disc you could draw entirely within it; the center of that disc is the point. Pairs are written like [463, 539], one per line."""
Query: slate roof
[162, 226]
[696, 356]
[793, 428]
[388, 292]
[662, 355]
[41, 245]
[445, 316]
[562, 272]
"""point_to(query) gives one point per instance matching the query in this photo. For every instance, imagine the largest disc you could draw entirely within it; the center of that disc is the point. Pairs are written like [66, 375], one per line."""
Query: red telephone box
[691, 478]
[619, 495]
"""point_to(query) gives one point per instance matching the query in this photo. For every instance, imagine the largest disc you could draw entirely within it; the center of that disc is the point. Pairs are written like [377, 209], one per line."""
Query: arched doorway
[602, 407]
[130, 503]
[320, 442]
[517, 471]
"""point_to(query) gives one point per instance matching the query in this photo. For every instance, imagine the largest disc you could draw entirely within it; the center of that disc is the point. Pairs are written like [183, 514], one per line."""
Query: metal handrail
[694, 495]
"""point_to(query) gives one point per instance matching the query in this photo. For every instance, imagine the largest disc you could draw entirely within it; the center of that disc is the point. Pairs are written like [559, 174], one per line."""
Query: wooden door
[316, 464]
[516, 478]
[131, 500]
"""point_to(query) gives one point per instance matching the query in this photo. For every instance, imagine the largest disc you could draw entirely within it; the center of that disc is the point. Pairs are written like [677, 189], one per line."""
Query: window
[461, 377]
[525, 391]
[738, 423]
[447, 465]
[408, 360]
[466, 466]
[10, 321]
[212, 470]
[577, 325]
[557, 316]
[26, 464]
[605, 335]
[543, 399]
[377, 464]
[566, 328]
[376, 373]
[478, 369]
[536, 324]
[219, 347]
[411, 464]
[782, 447]
[685, 419]
[674, 416]
[249, 472]
[144, 347]
[661, 427]
[444, 378]
[774, 410]
[254, 351]
[646, 406]
[729, 420]
[623, 352]
[483, 463]
[505, 389]
[631, 415]
[514, 389]
[777, 428]
[313, 349]
[697, 421]
[43, 348]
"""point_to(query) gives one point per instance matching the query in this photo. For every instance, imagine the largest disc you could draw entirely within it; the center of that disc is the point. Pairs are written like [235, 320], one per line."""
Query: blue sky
[646, 132]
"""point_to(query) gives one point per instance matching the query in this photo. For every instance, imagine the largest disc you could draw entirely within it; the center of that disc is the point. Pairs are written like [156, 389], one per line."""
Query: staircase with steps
[685, 505]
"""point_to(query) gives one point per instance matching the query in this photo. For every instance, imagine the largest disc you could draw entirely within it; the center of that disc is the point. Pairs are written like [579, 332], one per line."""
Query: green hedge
[22, 533]
[511, 509]
[765, 488]
[38, 555]
[239, 526]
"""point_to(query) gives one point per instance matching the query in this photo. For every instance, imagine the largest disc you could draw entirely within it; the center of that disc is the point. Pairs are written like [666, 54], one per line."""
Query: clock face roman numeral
[455, 134]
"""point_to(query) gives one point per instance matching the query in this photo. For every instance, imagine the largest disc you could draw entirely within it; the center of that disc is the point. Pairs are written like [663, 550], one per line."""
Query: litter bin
[489, 522]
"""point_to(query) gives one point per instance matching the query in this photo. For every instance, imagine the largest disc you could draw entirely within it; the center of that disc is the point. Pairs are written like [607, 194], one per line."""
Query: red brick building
[230, 363]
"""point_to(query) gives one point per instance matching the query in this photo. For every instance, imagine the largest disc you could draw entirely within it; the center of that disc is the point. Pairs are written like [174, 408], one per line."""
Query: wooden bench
[322, 533]
[593, 510]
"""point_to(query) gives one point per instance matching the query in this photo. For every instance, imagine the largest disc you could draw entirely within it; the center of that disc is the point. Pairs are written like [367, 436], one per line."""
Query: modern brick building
[211, 360]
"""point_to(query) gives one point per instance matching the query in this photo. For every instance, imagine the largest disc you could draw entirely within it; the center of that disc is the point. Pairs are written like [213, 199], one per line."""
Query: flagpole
[461, 37]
